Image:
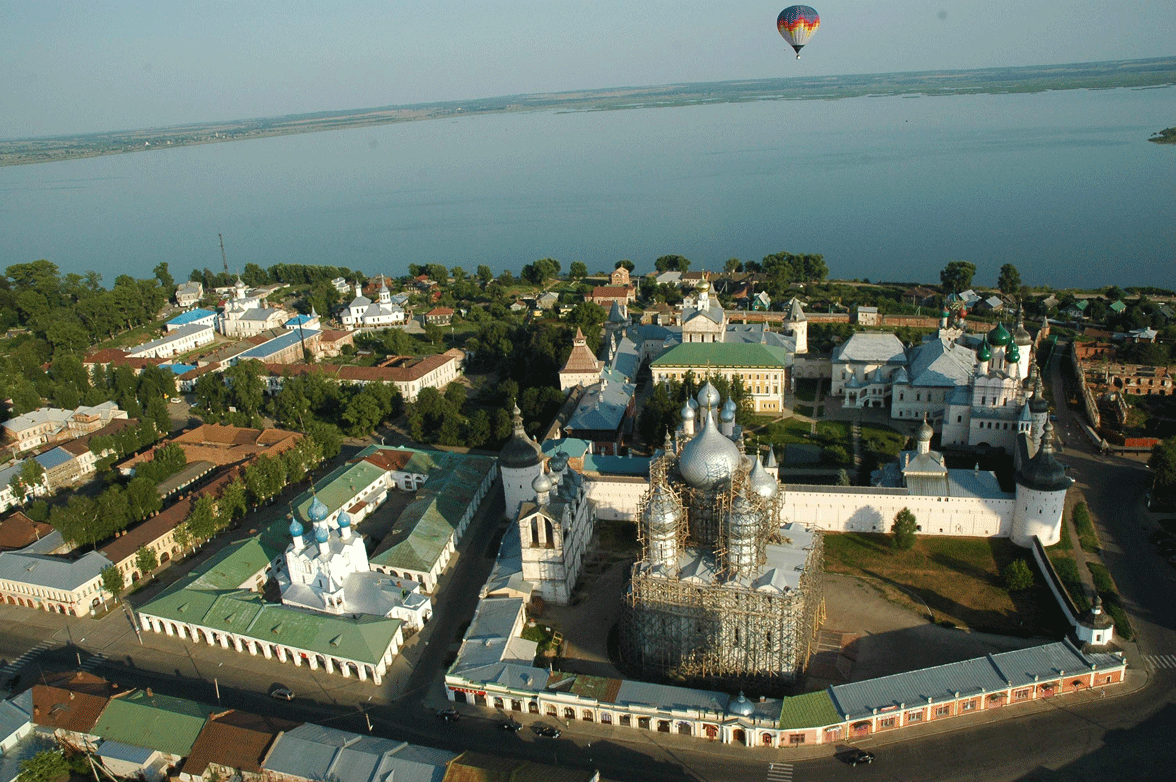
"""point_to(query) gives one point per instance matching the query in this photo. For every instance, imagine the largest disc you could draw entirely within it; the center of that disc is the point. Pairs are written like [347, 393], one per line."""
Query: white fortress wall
[871, 509]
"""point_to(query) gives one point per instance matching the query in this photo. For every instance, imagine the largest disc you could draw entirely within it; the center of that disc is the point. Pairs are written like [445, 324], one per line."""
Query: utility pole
[223, 256]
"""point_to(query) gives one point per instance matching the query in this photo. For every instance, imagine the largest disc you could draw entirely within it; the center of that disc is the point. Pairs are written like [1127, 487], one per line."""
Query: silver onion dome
[728, 413]
[742, 527]
[559, 462]
[762, 482]
[925, 432]
[709, 396]
[687, 412]
[741, 706]
[541, 484]
[709, 458]
[663, 516]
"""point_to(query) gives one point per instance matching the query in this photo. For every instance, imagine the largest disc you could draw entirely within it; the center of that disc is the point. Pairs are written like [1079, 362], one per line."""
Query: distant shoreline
[1159, 72]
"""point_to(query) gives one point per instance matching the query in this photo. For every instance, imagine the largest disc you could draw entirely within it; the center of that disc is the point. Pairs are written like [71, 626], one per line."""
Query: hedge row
[1087, 537]
[1071, 578]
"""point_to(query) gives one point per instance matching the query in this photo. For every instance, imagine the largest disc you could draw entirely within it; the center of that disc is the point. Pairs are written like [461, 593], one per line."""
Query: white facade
[362, 312]
[175, 342]
[554, 528]
[863, 509]
[188, 294]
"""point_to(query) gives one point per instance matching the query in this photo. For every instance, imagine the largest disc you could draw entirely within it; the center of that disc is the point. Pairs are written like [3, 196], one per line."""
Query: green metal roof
[723, 354]
[339, 487]
[811, 710]
[239, 562]
[245, 613]
[156, 722]
[426, 525]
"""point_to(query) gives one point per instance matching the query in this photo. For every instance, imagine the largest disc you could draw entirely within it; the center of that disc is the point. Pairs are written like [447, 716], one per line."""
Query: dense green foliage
[662, 410]
[46, 766]
[957, 276]
[904, 530]
[1165, 136]
[1017, 575]
[1087, 538]
[1163, 464]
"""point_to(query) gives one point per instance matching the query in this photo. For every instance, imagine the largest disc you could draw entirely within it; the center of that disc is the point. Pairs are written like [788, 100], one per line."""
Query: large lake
[1064, 185]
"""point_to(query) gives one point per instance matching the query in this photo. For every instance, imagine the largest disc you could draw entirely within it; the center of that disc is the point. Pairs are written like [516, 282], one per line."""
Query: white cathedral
[362, 312]
[327, 571]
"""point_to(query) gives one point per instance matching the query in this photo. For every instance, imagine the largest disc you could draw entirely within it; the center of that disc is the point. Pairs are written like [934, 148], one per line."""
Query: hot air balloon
[798, 23]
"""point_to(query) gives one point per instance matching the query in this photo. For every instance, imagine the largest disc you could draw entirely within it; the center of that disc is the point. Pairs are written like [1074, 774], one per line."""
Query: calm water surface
[1064, 185]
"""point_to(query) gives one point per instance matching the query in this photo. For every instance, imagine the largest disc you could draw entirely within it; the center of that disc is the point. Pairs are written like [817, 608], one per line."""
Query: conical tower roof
[520, 452]
[1044, 472]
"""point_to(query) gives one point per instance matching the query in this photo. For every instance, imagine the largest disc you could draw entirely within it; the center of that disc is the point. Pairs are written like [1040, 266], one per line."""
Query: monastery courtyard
[864, 635]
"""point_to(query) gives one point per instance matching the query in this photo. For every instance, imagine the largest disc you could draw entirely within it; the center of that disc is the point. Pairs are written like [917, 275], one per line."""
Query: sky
[71, 67]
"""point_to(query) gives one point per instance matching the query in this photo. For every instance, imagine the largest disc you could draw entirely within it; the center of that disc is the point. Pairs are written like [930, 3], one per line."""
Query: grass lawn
[805, 410]
[958, 578]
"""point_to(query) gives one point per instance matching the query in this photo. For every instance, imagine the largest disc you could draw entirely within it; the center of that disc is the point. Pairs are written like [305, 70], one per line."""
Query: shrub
[1112, 604]
[1018, 575]
[1071, 579]
[904, 529]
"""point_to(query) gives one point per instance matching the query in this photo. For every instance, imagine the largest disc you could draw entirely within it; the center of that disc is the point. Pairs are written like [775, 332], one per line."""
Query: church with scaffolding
[724, 592]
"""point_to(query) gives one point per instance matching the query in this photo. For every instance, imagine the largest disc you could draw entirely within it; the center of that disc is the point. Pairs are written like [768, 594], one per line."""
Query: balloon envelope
[798, 23]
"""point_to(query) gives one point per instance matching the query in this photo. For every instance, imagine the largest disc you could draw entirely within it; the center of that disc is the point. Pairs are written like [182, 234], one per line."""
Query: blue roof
[267, 349]
[298, 320]
[617, 465]
[179, 369]
[54, 458]
[191, 316]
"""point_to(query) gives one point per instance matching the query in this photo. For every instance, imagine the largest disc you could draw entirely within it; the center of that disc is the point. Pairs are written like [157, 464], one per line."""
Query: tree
[183, 536]
[112, 580]
[146, 560]
[957, 276]
[577, 270]
[165, 279]
[627, 264]
[27, 479]
[733, 265]
[1017, 576]
[327, 437]
[201, 522]
[671, 263]
[1163, 464]
[485, 273]
[1009, 280]
[904, 530]
[47, 765]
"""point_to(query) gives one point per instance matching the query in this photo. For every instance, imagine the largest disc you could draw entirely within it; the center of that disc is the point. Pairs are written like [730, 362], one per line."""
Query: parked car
[546, 732]
[283, 694]
[858, 756]
[448, 715]
[511, 725]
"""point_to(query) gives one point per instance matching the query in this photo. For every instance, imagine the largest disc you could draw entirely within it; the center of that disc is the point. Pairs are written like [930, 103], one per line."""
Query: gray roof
[127, 753]
[996, 672]
[51, 572]
[941, 362]
[260, 313]
[602, 407]
[871, 348]
[758, 334]
[279, 343]
[317, 752]
[663, 696]
[15, 714]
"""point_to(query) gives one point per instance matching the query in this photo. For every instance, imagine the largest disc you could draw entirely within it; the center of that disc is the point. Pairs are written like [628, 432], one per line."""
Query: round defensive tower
[1042, 484]
[520, 462]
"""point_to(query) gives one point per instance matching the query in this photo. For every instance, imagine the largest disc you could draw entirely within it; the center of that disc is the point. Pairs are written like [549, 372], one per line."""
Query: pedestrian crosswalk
[92, 662]
[1156, 661]
[21, 661]
[779, 772]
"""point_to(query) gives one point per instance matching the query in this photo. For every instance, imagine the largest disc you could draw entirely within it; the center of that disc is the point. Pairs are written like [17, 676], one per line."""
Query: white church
[326, 570]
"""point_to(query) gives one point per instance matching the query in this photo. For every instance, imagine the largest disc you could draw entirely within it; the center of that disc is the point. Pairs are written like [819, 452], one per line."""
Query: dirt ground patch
[956, 580]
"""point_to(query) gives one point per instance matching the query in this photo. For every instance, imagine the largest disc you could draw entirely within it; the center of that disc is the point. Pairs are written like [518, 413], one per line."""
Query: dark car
[859, 756]
[546, 732]
[510, 725]
[283, 694]
[448, 715]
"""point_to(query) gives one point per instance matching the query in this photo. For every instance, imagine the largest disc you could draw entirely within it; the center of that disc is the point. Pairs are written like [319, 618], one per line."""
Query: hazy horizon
[134, 65]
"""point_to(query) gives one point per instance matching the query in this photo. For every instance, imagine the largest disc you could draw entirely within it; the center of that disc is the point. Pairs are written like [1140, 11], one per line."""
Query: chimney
[149, 693]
